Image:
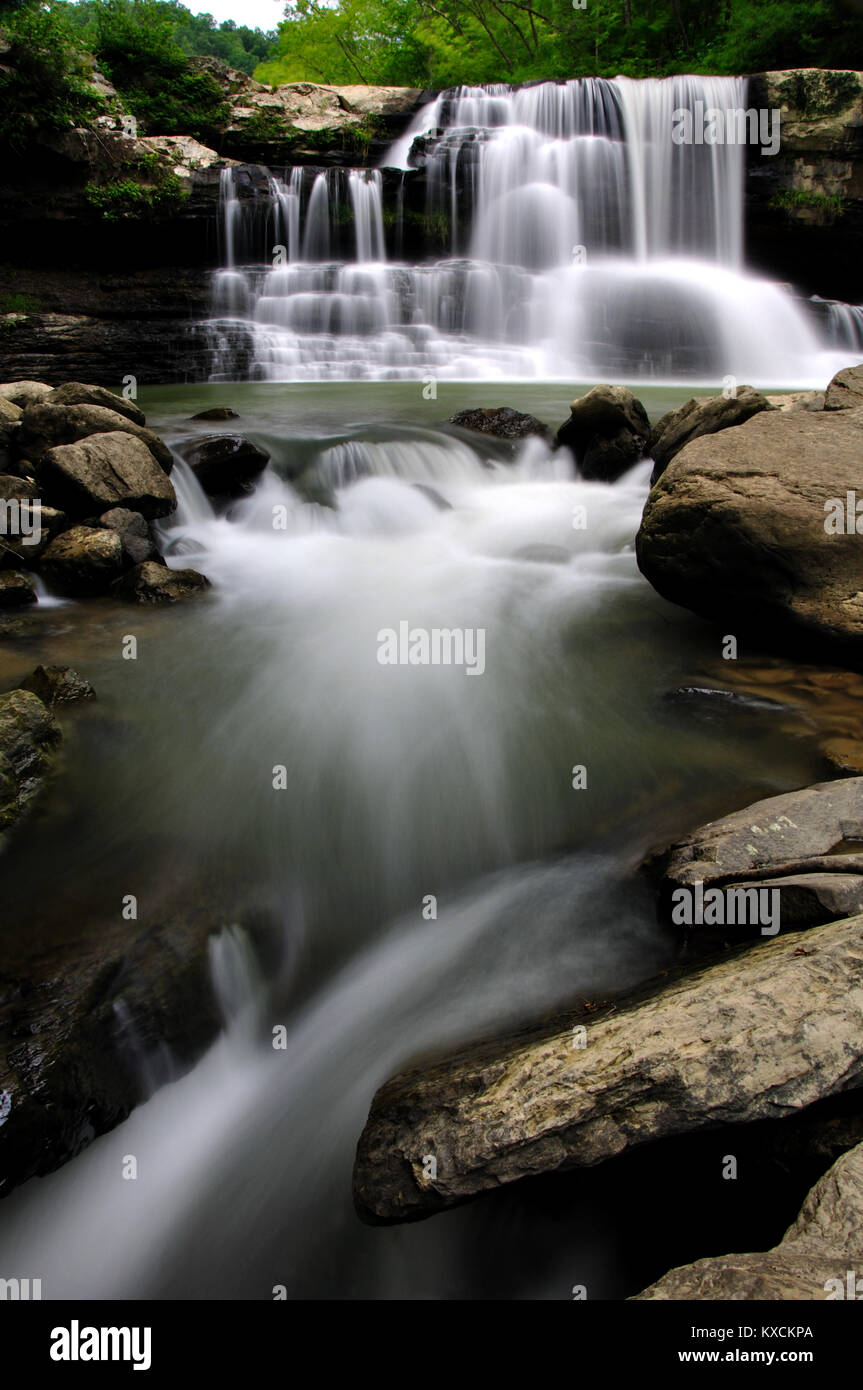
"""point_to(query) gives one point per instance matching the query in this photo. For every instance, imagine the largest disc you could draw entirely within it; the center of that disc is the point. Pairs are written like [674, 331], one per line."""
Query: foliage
[146, 187]
[44, 76]
[791, 199]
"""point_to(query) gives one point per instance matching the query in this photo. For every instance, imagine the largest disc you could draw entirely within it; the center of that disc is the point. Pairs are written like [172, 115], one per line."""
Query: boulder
[697, 417]
[607, 432]
[77, 393]
[84, 561]
[44, 426]
[811, 1261]
[153, 583]
[106, 471]
[37, 527]
[58, 685]
[736, 529]
[10, 413]
[16, 589]
[226, 465]
[503, 423]
[135, 532]
[24, 393]
[762, 1033]
[29, 734]
[11, 487]
[845, 391]
[217, 412]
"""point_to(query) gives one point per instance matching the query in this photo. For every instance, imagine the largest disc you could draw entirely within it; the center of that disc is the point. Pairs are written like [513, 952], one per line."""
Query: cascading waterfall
[583, 243]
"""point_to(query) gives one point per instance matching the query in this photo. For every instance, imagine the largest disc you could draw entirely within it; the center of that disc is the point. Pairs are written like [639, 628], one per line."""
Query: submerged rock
[503, 423]
[84, 561]
[699, 417]
[106, 471]
[764, 1032]
[736, 529]
[226, 465]
[217, 412]
[810, 1262]
[29, 734]
[58, 685]
[607, 432]
[152, 583]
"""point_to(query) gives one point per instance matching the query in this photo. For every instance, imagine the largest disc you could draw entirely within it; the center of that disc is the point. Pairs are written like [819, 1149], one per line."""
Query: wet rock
[22, 393]
[84, 561]
[736, 530]
[217, 412]
[152, 583]
[845, 754]
[44, 426]
[763, 1033]
[38, 525]
[606, 432]
[226, 465]
[16, 589]
[78, 393]
[503, 423]
[845, 391]
[29, 734]
[58, 685]
[811, 1261]
[699, 417]
[106, 471]
[136, 533]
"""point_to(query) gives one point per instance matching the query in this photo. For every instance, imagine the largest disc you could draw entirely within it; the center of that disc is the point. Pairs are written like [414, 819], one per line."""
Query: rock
[23, 393]
[44, 426]
[16, 589]
[845, 754]
[503, 423]
[77, 393]
[845, 391]
[136, 534]
[10, 413]
[764, 1032]
[105, 471]
[607, 432]
[152, 583]
[810, 1262]
[217, 412]
[225, 465]
[58, 685]
[735, 530]
[29, 735]
[38, 525]
[25, 489]
[84, 561]
[697, 417]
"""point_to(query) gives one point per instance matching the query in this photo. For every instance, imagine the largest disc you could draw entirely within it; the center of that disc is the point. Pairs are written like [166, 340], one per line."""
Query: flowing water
[401, 782]
[583, 244]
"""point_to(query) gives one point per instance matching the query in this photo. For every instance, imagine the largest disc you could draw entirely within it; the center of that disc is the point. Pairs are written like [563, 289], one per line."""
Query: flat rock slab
[811, 1262]
[762, 1034]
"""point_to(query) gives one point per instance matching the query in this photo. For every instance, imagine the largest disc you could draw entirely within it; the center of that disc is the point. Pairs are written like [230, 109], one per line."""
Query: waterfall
[580, 240]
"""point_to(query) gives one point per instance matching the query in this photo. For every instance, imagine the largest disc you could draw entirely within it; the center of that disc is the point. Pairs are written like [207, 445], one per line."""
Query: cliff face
[109, 238]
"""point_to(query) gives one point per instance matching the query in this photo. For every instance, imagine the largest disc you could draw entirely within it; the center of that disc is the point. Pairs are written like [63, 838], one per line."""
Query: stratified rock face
[29, 734]
[811, 1262]
[503, 423]
[84, 561]
[154, 583]
[737, 530]
[226, 465]
[44, 426]
[698, 417]
[763, 1033]
[607, 432]
[105, 471]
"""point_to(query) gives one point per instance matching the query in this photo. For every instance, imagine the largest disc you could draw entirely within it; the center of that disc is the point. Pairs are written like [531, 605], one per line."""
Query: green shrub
[154, 191]
[44, 77]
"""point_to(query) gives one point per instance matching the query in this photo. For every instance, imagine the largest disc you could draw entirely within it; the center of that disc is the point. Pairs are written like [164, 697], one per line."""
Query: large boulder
[738, 528]
[105, 471]
[764, 1032]
[29, 734]
[154, 583]
[78, 393]
[44, 426]
[226, 465]
[812, 1261]
[136, 533]
[84, 561]
[22, 393]
[503, 423]
[845, 391]
[697, 417]
[607, 432]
